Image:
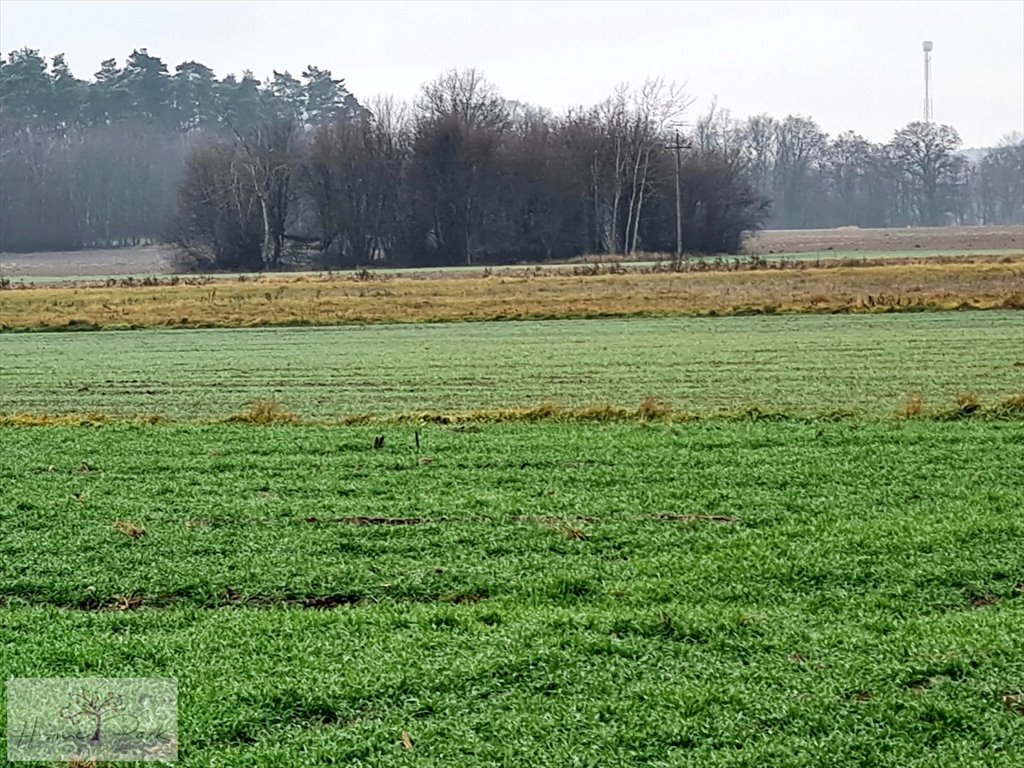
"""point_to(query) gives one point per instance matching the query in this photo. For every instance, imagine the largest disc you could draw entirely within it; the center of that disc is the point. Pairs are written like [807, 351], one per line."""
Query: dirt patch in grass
[565, 523]
[374, 520]
[984, 599]
[231, 598]
[326, 602]
[554, 519]
[117, 603]
[549, 520]
[131, 530]
[464, 598]
[695, 518]
[1014, 702]
[123, 603]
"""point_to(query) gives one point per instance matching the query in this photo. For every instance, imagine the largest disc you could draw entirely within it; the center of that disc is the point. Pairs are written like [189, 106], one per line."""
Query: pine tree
[68, 94]
[193, 96]
[25, 91]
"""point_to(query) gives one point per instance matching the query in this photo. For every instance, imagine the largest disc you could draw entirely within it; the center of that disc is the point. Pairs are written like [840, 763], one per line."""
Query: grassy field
[804, 365]
[552, 595]
[830, 591]
[379, 298]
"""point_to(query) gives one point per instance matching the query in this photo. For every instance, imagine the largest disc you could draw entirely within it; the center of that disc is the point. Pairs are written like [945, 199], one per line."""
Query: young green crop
[800, 364]
[714, 594]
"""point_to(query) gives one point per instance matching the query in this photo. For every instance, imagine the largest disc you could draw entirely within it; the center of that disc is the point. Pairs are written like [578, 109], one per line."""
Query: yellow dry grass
[263, 412]
[131, 530]
[914, 406]
[651, 409]
[86, 419]
[327, 300]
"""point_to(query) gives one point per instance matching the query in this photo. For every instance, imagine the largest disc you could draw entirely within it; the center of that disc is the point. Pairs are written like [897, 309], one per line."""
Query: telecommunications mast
[927, 48]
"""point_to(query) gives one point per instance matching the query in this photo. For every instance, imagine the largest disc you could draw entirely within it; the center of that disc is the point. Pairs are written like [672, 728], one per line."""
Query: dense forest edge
[243, 174]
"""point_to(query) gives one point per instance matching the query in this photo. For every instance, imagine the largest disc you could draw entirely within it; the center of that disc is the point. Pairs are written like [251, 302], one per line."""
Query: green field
[823, 592]
[841, 594]
[801, 364]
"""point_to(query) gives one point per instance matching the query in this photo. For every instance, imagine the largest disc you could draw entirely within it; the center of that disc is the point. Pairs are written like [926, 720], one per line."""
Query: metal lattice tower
[927, 48]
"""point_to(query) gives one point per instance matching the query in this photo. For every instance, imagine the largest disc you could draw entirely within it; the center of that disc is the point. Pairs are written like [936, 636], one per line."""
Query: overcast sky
[850, 65]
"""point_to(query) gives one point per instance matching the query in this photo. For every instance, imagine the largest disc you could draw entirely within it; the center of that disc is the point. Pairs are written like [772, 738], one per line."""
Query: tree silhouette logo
[93, 706]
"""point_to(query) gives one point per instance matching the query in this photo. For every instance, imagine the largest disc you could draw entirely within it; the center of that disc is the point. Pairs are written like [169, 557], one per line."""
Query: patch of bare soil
[696, 518]
[231, 598]
[156, 259]
[104, 262]
[374, 520]
[1014, 702]
[909, 239]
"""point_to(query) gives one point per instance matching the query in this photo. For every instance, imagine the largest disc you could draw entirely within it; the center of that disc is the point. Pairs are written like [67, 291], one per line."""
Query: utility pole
[679, 145]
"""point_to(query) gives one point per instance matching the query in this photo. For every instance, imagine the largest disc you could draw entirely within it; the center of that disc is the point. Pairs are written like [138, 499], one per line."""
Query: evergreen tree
[286, 98]
[327, 99]
[25, 91]
[108, 100]
[239, 102]
[146, 81]
[193, 96]
[68, 94]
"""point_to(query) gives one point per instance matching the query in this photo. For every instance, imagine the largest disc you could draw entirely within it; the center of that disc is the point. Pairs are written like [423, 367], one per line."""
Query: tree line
[462, 176]
[244, 174]
[100, 162]
[919, 178]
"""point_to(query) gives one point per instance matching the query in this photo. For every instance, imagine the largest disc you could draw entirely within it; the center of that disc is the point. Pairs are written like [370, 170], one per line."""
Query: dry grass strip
[324, 300]
[651, 409]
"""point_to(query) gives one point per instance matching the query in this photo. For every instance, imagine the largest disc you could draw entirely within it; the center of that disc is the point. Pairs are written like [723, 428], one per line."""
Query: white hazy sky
[850, 65]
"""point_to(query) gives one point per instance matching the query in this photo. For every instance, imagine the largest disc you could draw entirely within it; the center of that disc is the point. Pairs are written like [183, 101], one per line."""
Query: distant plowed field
[99, 262]
[919, 241]
[847, 239]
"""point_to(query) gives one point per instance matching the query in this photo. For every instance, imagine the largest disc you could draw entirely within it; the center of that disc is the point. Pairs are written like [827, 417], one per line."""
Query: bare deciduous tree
[93, 706]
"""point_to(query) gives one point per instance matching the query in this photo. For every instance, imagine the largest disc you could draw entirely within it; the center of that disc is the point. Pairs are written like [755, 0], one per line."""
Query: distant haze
[849, 65]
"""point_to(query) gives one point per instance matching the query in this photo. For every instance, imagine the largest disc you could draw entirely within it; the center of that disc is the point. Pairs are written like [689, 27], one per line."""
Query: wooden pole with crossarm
[679, 145]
